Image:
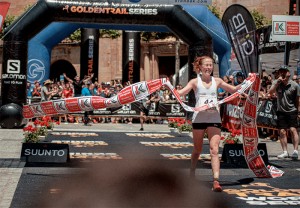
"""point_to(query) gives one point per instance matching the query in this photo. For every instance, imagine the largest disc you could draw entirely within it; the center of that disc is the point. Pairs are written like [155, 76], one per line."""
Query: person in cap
[46, 92]
[239, 78]
[288, 110]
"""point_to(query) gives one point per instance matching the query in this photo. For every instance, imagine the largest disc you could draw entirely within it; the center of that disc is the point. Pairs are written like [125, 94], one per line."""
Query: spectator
[222, 93]
[178, 87]
[239, 78]
[288, 110]
[275, 74]
[67, 93]
[46, 90]
[77, 83]
[144, 107]
[55, 92]
[36, 92]
[231, 80]
[100, 88]
[86, 92]
[296, 79]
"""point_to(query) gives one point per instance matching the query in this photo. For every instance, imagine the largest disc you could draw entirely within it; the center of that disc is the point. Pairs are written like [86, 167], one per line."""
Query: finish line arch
[112, 16]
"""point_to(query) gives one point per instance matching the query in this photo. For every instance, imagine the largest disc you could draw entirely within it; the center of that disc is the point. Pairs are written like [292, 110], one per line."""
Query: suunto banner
[45, 152]
[240, 28]
[131, 56]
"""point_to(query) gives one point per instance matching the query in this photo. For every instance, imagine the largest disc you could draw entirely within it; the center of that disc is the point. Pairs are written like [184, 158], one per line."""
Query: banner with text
[285, 28]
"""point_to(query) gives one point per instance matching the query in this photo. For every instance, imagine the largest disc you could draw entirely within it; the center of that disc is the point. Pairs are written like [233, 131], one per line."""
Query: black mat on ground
[144, 178]
[147, 186]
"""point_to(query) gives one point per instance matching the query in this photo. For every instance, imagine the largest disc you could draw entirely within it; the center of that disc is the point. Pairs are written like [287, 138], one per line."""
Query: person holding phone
[288, 110]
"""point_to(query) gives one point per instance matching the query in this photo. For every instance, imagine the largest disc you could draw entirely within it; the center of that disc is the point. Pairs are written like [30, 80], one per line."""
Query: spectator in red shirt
[67, 91]
[36, 92]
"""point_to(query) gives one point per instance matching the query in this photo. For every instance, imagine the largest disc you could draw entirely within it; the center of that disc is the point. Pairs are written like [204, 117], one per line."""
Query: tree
[259, 19]
[8, 20]
[214, 9]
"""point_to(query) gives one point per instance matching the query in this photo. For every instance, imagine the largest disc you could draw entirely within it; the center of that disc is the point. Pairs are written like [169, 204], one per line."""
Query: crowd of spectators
[67, 88]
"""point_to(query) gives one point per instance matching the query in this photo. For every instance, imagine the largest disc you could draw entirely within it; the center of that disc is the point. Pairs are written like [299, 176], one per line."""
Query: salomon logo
[13, 66]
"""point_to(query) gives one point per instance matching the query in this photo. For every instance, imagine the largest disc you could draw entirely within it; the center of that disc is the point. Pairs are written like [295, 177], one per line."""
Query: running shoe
[283, 155]
[295, 155]
[216, 187]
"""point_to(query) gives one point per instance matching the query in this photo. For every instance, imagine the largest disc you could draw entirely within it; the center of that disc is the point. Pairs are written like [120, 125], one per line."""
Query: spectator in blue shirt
[86, 92]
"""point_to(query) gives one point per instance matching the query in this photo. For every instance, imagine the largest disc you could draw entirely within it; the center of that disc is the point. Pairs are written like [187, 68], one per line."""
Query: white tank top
[204, 96]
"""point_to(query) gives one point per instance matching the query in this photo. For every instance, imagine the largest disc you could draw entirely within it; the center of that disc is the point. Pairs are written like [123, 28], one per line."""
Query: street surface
[116, 165]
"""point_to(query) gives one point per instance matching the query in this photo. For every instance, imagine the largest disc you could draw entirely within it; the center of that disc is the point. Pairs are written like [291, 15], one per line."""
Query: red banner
[250, 137]
[232, 114]
[3, 11]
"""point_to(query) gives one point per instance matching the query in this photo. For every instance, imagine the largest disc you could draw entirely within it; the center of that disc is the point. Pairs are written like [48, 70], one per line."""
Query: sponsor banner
[240, 29]
[45, 152]
[172, 2]
[134, 109]
[285, 28]
[131, 56]
[268, 45]
[266, 114]
[234, 154]
[3, 11]
[89, 53]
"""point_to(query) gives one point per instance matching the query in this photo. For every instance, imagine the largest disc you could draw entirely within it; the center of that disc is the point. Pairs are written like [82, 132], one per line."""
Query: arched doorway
[59, 67]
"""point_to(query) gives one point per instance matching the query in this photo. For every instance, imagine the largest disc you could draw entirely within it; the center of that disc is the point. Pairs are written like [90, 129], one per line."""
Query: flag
[241, 31]
[3, 10]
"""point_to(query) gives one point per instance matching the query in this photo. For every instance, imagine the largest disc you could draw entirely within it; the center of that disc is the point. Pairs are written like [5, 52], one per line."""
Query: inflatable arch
[134, 17]
[40, 46]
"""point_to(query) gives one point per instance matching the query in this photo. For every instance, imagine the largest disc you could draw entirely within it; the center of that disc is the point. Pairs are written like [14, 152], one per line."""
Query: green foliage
[8, 21]
[27, 7]
[260, 19]
[214, 9]
[75, 36]
[185, 127]
[113, 34]
[147, 36]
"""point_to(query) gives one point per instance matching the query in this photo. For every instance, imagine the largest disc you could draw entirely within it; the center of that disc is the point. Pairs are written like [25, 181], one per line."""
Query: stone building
[157, 57]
